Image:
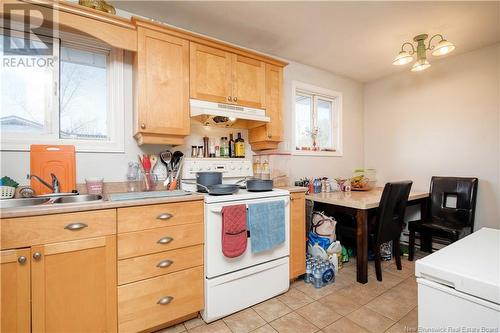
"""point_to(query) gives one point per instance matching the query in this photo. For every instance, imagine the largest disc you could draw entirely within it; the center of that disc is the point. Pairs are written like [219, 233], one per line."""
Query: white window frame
[115, 107]
[325, 94]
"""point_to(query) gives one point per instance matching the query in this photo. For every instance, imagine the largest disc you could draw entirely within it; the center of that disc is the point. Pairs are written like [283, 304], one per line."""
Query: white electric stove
[232, 284]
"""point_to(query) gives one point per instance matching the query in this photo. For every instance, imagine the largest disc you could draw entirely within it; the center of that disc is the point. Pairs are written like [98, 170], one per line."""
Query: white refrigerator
[459, 285]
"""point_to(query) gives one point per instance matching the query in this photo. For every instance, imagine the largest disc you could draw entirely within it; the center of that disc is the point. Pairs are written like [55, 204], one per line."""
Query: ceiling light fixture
[404, 57]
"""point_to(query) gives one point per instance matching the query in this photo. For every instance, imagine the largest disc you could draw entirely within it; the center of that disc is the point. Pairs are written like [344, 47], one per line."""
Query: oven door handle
[218, 210]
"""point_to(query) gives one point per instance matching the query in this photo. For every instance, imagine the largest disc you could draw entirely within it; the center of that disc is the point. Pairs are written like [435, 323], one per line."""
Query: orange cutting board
[56, 159]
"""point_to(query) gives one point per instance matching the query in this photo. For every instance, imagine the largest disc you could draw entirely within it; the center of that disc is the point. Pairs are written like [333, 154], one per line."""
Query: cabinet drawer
[139, 305]
[27, 231]
[157, 216]
[144, 267]
[137, 243]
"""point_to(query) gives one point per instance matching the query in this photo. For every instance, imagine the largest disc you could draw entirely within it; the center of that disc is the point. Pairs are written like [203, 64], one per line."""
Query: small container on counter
[200, 152]
[206, 146]
[194, 151]
[94, 185]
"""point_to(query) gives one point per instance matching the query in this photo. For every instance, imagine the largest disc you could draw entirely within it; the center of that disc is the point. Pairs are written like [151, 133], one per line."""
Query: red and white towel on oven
[234, 230]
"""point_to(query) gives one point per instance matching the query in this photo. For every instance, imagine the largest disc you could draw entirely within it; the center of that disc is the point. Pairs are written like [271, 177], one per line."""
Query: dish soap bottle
[239, 147]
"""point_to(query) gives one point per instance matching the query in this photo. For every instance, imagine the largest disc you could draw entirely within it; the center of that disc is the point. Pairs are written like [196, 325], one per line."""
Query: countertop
[104, 204]
[358, 199]
[80, 207]
[294, 189]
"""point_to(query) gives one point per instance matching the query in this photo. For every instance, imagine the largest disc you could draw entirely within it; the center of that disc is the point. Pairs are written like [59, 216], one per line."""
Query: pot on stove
[208, 178]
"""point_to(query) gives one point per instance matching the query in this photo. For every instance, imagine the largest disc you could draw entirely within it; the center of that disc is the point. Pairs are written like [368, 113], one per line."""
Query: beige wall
[352, 112]
[443, 121]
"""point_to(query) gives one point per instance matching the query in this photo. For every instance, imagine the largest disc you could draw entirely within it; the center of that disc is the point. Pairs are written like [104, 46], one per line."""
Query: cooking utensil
[173, 184]
[146, 162]
[219, 189]
[259, 185]
[143, 169]
[154, 160]
[176, 156]
[165, 158]
[208, 178]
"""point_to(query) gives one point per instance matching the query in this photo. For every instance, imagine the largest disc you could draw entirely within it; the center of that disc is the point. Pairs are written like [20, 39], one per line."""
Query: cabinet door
[210, 73]
[274, 102]
[15, 311]
[74, 286]
[162, 71]
[249, 83]
[297, 235]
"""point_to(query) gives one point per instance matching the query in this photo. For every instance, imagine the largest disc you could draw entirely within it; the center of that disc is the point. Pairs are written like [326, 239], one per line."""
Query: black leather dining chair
[444, 220]
[388, 222]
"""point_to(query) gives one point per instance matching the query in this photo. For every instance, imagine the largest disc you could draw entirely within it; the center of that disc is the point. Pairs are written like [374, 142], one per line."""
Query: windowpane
[303, 121]
[26, 87]
[83, 95]
[324, 121]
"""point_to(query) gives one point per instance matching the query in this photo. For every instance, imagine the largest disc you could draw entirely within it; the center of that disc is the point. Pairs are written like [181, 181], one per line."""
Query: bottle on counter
[231, 146]
[206, 146]
[217, 148]
[239, 147]
[224, 147]
[265, 172]
[211, 147]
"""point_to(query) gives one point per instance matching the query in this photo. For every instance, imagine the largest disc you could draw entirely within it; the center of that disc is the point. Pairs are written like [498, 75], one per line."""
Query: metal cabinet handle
[75, 226]
[165, 300]
[21, 260]
[37, 256]
[235, 99]
[164, 216]
[143, 126]
[164, 263]
[229, 98]
[165, 240]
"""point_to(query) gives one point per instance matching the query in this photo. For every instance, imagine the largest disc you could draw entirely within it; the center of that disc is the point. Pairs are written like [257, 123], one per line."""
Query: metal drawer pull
[76, 226]
[37, 256]
[165, 240]
[164, 216]
[164, 263]
[165, 300]
[21, 260]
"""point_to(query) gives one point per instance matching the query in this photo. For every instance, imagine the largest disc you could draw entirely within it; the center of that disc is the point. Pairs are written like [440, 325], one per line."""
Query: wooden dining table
[358, 204]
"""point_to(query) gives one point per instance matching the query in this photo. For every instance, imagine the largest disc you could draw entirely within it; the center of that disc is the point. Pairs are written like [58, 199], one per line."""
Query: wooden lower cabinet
[297, 234]
[155, 301]
[15, 308]
[73, 286]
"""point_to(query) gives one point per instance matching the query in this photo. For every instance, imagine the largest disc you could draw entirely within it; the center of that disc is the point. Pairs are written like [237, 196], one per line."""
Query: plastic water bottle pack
[319, 272]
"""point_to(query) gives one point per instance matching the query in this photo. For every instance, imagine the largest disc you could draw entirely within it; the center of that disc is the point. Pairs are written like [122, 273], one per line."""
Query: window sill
[80, 147]
[317, 153]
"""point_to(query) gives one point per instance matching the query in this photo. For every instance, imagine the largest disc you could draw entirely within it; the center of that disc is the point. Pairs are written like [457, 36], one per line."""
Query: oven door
[216, 264]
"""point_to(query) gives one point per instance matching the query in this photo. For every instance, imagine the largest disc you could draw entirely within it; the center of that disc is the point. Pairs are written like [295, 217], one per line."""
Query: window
[317, 121]
[71, 96]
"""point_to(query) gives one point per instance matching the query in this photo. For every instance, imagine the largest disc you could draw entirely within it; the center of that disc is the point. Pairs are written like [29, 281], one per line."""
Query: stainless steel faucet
[55, 182]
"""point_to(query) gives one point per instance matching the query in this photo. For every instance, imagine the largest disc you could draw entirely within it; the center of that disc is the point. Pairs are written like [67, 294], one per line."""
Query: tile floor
[345, 306]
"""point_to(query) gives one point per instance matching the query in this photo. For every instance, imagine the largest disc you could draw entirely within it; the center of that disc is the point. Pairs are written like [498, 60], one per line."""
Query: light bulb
[402, 58]
[420, 65]
[443, 47]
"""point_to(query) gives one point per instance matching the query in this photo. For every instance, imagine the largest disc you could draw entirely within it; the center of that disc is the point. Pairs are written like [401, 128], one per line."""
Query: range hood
[227, 115]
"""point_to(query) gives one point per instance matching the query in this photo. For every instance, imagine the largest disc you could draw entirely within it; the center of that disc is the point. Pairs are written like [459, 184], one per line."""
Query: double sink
[50, 200]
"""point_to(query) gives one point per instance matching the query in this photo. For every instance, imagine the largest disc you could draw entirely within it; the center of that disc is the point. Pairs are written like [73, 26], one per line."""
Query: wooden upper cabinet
[73, 286]
[161, 67]
[210, 74]
[15, 311]
[249, 82]
[224, 77]
[270, 135]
